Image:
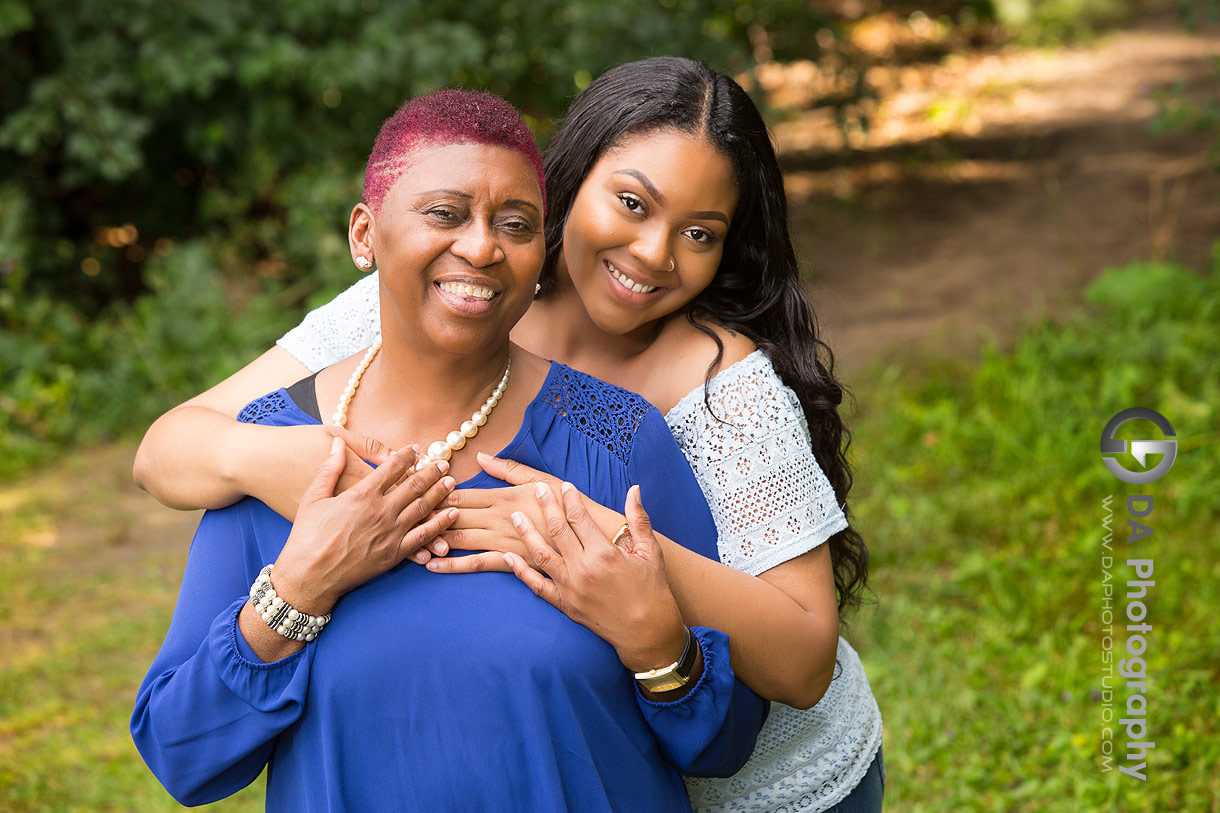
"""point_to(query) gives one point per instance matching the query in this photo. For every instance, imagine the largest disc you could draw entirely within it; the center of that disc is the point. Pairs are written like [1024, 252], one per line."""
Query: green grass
[979, 491]
[88, 587]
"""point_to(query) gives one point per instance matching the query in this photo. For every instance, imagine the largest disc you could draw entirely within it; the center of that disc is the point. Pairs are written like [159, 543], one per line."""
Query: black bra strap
[305, 395]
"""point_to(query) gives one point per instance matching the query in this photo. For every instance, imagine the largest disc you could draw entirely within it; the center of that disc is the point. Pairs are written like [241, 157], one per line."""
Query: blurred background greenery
[174, 179]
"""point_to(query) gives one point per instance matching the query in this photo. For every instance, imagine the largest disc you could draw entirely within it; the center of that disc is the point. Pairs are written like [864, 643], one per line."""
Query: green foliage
[1058, 21]
[154, 156]
[223, 116]
[982, 491]
[72, 380]
[1193, 12]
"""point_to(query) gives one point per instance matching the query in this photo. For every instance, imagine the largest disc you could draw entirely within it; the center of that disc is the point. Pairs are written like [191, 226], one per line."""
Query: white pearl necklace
[441, 449]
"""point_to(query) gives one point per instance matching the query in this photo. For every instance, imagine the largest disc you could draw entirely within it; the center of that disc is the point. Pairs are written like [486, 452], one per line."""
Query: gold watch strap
[677, 674]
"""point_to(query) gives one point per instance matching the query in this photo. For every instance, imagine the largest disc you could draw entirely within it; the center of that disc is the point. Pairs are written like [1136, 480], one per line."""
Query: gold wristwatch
[674, 676]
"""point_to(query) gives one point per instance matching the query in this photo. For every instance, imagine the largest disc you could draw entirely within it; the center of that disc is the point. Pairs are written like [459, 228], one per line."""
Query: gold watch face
[664, 683]
[677, 674]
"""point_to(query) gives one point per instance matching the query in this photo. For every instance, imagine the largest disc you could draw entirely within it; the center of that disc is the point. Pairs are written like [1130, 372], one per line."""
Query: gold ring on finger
[623, 535]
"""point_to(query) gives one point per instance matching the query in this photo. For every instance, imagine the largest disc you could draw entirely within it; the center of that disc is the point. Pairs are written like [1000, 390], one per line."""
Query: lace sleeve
[769, 497]
[341, 327]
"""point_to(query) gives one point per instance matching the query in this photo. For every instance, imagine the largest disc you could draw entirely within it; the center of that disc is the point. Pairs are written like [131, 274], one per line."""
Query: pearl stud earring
[364, 263]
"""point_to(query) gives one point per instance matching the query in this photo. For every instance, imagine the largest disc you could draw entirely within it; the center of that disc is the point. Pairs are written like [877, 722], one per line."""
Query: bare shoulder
[736, 346]
[682, 354]
[681, 339]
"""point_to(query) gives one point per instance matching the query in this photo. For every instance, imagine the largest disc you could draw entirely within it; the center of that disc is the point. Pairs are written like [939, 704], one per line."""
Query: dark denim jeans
[866, 798]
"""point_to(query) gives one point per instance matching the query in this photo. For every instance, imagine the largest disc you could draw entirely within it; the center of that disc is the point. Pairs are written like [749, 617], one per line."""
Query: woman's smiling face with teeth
[459, 243]
[646, 231]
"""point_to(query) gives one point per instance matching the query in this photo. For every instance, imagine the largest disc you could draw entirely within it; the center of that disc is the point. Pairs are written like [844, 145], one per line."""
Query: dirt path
[993, 186]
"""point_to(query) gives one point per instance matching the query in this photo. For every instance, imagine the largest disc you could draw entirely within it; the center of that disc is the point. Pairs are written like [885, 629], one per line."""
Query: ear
[360, 236]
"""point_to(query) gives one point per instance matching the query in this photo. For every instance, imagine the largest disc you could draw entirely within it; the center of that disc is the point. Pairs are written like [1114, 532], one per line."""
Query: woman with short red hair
[362, 681]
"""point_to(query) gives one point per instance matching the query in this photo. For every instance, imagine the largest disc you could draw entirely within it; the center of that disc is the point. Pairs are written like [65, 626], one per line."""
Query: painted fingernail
[518, 518]
[566, 487]
[541, 489]
[443, 466]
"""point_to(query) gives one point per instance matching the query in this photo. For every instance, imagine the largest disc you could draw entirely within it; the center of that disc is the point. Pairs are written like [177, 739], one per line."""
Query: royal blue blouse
[432, 692]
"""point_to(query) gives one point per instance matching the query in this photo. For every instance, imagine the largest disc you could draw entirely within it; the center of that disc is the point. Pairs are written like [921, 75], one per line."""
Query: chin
[619, 327]
[619, 321]
[468, 340]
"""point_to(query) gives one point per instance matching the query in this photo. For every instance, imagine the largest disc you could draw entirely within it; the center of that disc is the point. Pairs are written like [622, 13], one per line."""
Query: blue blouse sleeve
[208, 713]
[711, 730]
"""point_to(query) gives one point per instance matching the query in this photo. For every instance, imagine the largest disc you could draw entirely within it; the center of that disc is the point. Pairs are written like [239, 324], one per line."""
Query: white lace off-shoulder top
[748, 444]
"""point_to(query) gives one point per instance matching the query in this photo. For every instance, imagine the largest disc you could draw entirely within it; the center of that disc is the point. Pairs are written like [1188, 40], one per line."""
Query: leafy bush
[254, 121]
[71, 380]
[154, 156]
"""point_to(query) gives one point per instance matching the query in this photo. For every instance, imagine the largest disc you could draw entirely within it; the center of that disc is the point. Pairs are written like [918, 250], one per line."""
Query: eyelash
[442, 213]
[519, 227]
[627, 199]
[448, 216]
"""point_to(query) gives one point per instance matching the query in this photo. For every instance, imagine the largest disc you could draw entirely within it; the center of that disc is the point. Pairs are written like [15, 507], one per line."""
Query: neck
[562, 329]
[420, 393]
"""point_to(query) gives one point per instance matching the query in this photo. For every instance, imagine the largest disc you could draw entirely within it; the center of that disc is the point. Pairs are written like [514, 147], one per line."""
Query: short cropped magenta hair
[445, 117]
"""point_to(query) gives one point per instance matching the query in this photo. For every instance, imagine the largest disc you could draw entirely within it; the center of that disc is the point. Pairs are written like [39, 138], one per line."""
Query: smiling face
[646, 231]
[458, 241]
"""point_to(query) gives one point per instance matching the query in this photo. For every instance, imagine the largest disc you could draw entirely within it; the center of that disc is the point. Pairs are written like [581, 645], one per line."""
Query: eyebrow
[709, 215]
[446, 192]
[659, 198]
[523, 203]
[510, 202]
[643, 179]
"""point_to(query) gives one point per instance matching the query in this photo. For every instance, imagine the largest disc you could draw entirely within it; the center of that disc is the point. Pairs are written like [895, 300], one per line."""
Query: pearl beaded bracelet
[282, 616]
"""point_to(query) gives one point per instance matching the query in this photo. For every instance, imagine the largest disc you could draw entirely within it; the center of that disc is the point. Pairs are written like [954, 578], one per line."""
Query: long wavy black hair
[757, 289]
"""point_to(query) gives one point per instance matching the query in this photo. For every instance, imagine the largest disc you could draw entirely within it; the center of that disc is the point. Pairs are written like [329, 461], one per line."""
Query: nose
[477, 244]
[651, 248]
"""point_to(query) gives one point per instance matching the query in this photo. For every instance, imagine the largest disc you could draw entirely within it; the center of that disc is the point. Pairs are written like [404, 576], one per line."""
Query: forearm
[780, 649]
[190, 458]
[207, 725]
[194, 455]
[207, 714]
